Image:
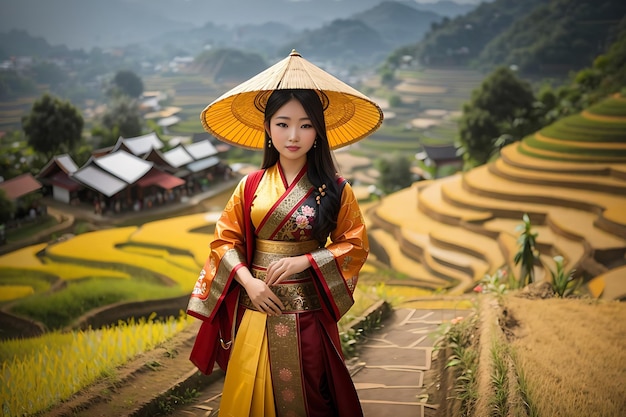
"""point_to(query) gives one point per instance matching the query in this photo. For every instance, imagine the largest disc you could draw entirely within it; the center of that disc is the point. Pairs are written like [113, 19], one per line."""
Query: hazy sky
[86, 23]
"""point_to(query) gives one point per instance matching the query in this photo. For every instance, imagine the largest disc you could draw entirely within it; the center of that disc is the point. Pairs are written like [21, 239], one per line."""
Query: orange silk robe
[279, 212]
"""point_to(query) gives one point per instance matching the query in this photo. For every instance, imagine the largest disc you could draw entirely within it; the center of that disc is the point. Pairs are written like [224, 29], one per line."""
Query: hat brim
[237, 117]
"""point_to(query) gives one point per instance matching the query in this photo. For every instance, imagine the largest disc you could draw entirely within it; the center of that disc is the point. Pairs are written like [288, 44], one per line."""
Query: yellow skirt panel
[248, 384]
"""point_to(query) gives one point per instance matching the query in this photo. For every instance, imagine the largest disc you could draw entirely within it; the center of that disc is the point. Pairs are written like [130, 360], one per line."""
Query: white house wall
[60, 194]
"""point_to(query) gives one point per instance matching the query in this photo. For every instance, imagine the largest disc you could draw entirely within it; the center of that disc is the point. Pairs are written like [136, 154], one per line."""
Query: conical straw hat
[237, 116]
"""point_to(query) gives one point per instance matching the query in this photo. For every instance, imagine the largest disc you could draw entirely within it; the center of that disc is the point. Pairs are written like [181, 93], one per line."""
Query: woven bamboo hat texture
[237, 116]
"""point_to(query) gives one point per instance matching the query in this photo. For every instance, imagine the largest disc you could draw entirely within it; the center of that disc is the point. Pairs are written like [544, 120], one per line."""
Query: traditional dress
[288, 365]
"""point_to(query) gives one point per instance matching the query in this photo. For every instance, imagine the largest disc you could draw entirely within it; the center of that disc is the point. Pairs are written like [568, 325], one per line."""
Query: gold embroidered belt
[298, 292]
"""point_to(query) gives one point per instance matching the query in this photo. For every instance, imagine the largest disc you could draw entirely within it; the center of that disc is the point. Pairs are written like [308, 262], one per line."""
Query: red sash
[215, 337]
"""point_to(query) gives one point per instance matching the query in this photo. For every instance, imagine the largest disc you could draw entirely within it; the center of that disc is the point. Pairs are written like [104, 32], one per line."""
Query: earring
[269, 143]
[315, 143]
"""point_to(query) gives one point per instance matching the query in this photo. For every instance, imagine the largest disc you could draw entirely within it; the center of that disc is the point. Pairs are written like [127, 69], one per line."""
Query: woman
[283, 266]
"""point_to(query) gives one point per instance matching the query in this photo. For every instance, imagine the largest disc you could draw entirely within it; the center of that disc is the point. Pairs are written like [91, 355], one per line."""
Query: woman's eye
[307, 126]
[281, 124]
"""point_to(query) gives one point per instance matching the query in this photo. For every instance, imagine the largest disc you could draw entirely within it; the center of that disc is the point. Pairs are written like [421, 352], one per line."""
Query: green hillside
[538, 37]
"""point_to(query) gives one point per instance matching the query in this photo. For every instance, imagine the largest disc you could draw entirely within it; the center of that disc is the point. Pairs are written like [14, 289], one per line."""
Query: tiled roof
[20, 186]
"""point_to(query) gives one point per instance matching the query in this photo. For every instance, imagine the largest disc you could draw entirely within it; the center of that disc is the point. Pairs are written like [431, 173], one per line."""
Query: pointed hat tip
[295, 53]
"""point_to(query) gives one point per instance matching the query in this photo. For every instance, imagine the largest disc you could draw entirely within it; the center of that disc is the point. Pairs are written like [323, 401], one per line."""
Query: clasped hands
[261, 295]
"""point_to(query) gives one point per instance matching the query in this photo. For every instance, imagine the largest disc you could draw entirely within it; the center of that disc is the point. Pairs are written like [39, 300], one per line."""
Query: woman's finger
[275, 302]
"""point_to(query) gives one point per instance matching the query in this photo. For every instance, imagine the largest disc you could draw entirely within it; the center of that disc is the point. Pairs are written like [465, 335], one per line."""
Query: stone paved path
[391, 371]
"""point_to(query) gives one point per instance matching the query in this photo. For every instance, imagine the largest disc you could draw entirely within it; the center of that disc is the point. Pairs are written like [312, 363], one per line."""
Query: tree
[6, 208]
[13, 84]
[48, 73]
[387, 75]
[395, 173]
[53, 126]
[15, 155]
[122, 118]
[128, 83]
[502, 105]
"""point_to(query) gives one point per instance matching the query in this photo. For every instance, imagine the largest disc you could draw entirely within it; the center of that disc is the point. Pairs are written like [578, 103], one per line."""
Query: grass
[30, 229]
[609, 107]
[38, 281]
[593, 135]
[499, 380]
[579, 121]
[60, 309]
[577, 128]
[461, 346]
[40, 372]
[534, 142]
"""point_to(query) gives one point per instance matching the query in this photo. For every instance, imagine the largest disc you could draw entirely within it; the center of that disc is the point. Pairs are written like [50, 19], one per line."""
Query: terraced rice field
[570, 177]
[166, 253]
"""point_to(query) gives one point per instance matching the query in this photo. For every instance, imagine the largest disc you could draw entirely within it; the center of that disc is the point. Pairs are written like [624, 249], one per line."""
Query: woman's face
[291, 131]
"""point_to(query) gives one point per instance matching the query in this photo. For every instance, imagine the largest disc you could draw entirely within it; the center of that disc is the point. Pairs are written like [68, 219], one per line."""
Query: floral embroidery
[200, 287]
[281, 330]
[304, 217]
[308, 211]
[299, 225]
[285, 374]
[302, 222]
[288, 395]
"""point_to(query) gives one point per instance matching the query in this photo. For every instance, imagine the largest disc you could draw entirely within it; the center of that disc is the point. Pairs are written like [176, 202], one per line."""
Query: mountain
[90, 23]
[557, 37]
[228, 64]
[85, 23]
[344, 41]
[365, 37]
[537, 37]
[20, 43]
[398, 23]
[261, 38]
[300, 14]
[445, 7]
[460, 40]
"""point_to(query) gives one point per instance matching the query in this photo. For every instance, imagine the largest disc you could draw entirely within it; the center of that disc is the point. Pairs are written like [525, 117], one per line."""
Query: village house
[24, 192]
[134, 174]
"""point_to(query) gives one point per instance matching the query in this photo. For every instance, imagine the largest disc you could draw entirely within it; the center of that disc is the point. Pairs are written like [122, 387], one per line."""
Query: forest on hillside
[537, 38]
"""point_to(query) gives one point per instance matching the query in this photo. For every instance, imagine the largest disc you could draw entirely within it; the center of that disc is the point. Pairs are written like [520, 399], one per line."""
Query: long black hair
[321, 168]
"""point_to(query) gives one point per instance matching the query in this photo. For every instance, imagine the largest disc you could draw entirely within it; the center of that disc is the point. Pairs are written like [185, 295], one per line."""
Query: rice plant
[56, 365]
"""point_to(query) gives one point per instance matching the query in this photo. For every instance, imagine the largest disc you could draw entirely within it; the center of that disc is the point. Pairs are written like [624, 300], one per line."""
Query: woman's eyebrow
[289, 118]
